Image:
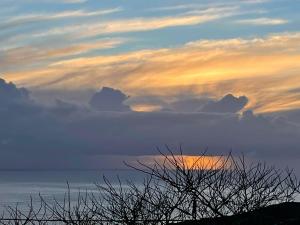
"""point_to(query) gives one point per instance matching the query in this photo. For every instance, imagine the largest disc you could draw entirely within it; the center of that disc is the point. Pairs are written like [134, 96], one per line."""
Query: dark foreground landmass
[281, 214]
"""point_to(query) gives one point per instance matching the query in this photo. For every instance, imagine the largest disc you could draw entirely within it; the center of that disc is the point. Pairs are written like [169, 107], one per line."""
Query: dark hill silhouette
[281, 214]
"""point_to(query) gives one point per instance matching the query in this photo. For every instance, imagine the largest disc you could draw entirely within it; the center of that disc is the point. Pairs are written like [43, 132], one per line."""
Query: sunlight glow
[191, 162]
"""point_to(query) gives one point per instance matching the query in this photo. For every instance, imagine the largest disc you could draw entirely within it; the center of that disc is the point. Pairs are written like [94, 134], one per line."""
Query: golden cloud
[28, 55]
[264, 69]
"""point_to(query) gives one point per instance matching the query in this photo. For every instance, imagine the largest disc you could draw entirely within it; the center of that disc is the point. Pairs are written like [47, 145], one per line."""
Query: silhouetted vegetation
[284, 213]
[173, 190]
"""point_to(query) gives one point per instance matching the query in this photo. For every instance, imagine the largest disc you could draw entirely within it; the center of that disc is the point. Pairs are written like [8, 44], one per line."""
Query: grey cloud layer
[71, 136]
[228, 104]
[109, 99]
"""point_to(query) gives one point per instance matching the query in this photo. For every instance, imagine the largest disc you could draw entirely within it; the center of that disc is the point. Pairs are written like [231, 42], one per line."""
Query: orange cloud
[264, 69]
[30, 55]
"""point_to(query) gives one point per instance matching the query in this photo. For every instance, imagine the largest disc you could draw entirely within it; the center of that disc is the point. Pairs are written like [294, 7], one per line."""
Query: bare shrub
[70, 212]
[225, 187]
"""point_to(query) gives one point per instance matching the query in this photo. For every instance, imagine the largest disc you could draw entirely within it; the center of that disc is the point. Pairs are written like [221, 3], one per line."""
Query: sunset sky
[156, 48]
[194, 68]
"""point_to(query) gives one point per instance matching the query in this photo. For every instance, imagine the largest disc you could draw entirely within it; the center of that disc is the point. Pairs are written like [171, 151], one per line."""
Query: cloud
[22, 20]
[61, 15]
[188, 105]
[66, 135]
[252, 67]
[43, 53]
[263, 21]
[292, 116]
[228, 104]
[36, 42]
[142, 24]
[109, 99]
[52, 1]
[211, 4]
[9, 93]
[64, 108]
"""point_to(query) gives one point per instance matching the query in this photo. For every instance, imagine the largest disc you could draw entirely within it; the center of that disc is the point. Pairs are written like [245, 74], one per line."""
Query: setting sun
[191, 162]
[203, 162]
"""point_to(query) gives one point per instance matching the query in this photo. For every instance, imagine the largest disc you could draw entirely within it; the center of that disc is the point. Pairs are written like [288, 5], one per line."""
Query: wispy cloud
[51, 1]
[31, 55]
[263, 21]
[208, 4]
[143, 24]
[127, 25]
[76, 29]
[38, 17]
[214, 67]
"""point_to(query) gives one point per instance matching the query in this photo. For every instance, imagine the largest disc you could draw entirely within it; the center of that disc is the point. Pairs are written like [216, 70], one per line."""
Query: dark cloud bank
[69, 136]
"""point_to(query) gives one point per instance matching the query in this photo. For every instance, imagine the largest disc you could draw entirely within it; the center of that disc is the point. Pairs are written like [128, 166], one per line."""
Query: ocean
[18, 187]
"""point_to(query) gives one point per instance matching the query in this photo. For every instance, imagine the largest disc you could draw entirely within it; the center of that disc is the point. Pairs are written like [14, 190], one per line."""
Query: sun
[190, 162]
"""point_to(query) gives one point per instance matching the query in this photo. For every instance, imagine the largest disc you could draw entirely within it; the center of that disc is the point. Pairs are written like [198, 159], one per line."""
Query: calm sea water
[16, 187]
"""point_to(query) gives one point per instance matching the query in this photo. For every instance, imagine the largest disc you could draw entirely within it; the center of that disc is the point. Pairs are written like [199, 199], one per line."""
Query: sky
[86, 83]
